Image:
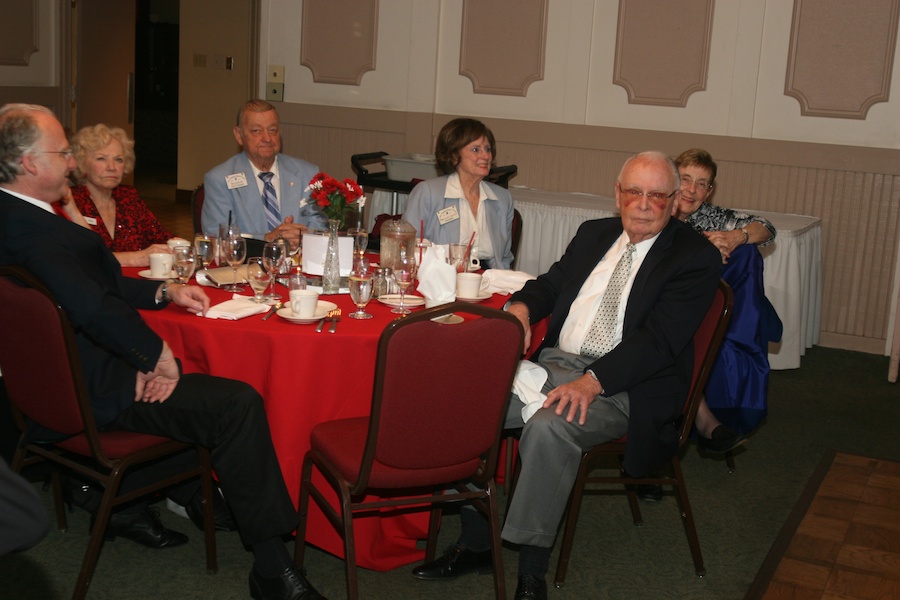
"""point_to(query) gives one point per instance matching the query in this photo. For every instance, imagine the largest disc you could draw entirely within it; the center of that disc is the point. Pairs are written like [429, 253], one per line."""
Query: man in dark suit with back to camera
[131, 374]
[264, 190]
[624, 302]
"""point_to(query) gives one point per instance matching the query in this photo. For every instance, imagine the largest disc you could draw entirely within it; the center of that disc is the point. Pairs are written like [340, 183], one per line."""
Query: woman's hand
[726, 241]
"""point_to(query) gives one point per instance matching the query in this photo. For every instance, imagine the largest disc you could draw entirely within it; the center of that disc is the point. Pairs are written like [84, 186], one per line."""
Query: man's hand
[726, 241]
[520, 311]
[158, 384]
[289, 231]
[577, 396]
[191, 297]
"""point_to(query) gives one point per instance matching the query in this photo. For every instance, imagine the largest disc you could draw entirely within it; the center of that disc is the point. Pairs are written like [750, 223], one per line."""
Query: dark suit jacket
[86, 280]
[671, 293]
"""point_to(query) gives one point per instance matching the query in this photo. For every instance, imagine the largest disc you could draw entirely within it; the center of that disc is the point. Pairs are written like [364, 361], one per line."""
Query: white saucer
[322, 309]
[408, 301]
[146, 275]
[481, 298]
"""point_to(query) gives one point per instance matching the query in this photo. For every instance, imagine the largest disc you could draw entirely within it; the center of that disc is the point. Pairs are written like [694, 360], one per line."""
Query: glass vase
[331, 273]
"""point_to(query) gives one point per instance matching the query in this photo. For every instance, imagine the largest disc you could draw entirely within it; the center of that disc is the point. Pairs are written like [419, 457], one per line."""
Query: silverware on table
[328, 317]
[334, 319]
[272, 310]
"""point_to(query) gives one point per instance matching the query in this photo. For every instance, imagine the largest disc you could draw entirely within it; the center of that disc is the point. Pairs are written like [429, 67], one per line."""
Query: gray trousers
[550, 450]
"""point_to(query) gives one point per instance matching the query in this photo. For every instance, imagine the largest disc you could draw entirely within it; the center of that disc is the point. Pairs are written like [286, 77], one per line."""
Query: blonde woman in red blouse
[115, 211]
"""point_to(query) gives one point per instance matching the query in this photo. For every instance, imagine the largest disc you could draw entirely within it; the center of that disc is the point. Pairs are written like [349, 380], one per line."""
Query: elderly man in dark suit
[239, 185]
[131, 374]
[624, 302]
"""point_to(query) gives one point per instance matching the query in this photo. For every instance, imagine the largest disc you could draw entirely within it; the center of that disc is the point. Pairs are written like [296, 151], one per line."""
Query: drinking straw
[467, 252]
[229, 219]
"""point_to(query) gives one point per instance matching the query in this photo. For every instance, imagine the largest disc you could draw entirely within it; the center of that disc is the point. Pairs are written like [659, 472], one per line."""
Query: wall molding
[855, 42]
[339, 40]
[653, 65]
[503, 51]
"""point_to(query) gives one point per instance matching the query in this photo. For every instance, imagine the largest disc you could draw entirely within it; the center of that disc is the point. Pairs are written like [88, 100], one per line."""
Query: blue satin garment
[738, 384]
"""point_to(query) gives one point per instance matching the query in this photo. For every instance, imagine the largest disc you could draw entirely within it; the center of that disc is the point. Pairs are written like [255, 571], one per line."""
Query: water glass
[183, 263]
[235, 251]
[259, 278]
[206, 248]
[361, 289]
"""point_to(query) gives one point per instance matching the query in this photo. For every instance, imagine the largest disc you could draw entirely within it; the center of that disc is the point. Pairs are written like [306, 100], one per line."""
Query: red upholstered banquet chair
[42, 371]
[706, 346]
[435, 424]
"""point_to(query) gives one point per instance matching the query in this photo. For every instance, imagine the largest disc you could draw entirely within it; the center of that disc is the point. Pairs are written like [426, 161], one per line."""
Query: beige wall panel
[841, 56]
[516, 33]
[662, 74]
[43, 65]
[777, 116]
[338, 39]
[19, 32]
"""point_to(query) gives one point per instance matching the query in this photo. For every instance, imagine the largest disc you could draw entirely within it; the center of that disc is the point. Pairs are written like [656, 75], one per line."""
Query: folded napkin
[236, 308]
[499, 281]
[530, 379]
[437, 279]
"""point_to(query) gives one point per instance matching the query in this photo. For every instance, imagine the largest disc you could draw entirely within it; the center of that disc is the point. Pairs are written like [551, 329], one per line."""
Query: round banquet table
[305, 378]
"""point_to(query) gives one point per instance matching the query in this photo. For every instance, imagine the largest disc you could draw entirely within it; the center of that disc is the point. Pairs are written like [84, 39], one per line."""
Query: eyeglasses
[652, 196]
[701, 184]
[66, 154]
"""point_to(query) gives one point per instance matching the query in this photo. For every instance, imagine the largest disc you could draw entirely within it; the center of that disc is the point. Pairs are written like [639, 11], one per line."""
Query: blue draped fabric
[737, 389]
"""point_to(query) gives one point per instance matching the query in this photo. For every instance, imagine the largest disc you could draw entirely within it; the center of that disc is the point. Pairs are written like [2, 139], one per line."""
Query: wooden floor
[842, 540]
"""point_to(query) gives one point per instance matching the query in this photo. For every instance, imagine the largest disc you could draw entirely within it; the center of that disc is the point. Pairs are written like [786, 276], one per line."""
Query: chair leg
[96, 541]
[688, 516]
[496, 543]
[434, 526]
[303, 510]
[349, 546]
[209, 520]
[61, 519]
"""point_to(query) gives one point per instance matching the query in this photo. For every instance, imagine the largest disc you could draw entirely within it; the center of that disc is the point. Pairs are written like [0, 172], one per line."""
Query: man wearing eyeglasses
[624, 302]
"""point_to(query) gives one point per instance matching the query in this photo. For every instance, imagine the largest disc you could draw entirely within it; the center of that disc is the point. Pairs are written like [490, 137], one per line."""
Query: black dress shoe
[456, 561]
[531, 587]
[142, 527]
[650, 492]
[723, 439]
[224, 520]
[290, 585]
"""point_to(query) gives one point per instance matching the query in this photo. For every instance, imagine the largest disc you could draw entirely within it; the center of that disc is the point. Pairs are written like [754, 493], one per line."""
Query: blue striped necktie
[270, 201]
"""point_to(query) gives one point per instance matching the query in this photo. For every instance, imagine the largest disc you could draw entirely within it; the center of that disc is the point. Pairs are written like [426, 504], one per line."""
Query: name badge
[90, 220]
[446, 215]
[236, 180]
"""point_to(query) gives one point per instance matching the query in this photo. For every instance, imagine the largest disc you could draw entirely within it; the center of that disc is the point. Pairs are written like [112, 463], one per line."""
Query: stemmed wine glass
[361, 288]
[274, 258]
[205, 249]
[259, 277]
[183, 263]
[360, 242]
[404, 274]
[234, 250]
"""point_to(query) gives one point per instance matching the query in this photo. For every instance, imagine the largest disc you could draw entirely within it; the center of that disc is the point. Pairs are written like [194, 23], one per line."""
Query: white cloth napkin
[499, 281]
[236, 308]
[437, 279]
[530, 379]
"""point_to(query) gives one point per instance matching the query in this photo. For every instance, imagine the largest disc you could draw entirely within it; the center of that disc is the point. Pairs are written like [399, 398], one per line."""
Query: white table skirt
[792, 263]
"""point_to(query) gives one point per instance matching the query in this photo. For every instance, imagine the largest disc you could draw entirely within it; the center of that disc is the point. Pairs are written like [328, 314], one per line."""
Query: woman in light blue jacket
[461, 202]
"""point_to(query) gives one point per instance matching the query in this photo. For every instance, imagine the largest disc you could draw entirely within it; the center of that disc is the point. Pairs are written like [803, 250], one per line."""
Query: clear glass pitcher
[393, 235]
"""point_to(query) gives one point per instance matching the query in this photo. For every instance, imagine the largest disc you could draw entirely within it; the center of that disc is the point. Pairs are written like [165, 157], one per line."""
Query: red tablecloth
[305, 378]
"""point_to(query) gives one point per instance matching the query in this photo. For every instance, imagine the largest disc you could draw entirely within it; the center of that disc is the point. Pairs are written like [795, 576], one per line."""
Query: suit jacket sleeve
[23, 520]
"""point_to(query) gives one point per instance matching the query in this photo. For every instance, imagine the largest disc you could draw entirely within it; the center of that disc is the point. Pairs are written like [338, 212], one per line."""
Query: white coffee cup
[175, 242]
[468, 285]
[160, 264]
[304, 302]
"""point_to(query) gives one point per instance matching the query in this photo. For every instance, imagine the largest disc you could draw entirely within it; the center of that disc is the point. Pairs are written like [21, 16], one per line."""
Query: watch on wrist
[164, 293]
[746, 235]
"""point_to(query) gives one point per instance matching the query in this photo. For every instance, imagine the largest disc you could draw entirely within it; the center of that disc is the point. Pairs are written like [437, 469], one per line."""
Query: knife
[272, 310]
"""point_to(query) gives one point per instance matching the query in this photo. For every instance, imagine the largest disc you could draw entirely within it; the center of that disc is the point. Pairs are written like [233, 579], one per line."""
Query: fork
[334, 319]
[327, 317]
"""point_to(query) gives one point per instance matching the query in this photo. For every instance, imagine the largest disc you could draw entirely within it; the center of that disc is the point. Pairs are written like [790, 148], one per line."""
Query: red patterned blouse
[135, 228]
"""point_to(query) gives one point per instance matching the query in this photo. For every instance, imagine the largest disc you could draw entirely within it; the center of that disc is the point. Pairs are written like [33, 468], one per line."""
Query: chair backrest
[197, 197]
[441, 392]
[38, 356]
[707, 340]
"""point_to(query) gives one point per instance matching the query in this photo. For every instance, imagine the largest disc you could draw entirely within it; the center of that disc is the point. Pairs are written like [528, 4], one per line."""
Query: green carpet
[838, 400]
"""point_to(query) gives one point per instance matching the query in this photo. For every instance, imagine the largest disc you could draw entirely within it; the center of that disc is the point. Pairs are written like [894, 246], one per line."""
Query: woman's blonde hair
[95, 137]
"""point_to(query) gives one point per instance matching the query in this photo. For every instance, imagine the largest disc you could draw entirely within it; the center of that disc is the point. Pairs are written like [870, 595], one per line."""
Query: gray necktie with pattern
[599, 338]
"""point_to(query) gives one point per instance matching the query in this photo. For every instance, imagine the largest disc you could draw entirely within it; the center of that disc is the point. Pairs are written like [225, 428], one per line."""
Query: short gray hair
[19, 133]
[653, 156]
[255, 105]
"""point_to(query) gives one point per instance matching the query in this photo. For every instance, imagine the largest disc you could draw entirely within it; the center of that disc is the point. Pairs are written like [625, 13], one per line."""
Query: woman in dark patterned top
[115, 211]
[726, 228]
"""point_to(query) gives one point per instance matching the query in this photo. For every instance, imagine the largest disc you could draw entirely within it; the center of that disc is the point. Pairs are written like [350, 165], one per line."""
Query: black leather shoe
[221, 513]
[650, 493]
[456, 561]
[723, 439]
[290, 585]
[144, 528]
[531, 587]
